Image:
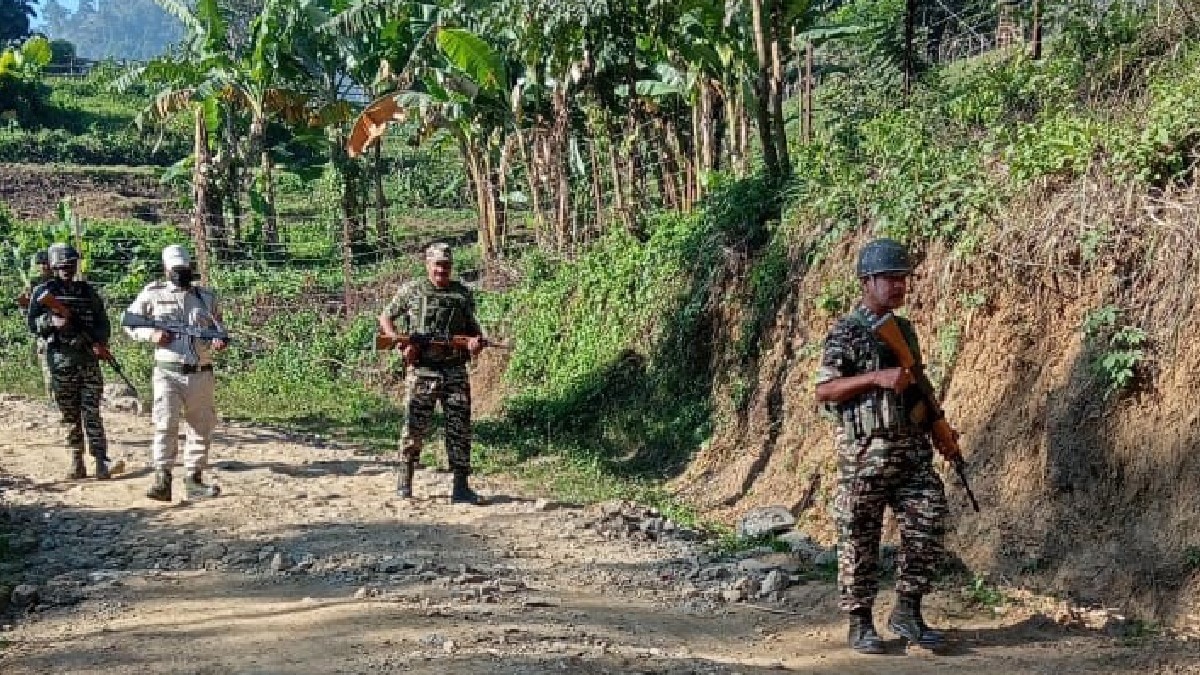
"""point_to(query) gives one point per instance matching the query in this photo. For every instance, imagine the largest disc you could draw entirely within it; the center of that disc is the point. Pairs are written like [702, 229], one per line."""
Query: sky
[69, 4]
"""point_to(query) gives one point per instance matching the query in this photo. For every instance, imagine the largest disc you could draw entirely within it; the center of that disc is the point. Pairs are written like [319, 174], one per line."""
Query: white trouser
[190, 398]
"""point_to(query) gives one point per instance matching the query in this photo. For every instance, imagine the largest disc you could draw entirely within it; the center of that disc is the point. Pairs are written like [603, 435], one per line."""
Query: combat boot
[405, 479]
[78, 468]
[161, 489]
[196, 489]
[462, 494]
[102, 472]
[906, 621]
[863, 638]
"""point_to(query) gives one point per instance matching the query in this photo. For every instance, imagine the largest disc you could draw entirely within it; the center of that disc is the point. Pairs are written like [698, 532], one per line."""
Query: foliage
[14, 19]
[21, 89]
[1117, 350]
[983, 593]
[1061, 144]
[609, 361]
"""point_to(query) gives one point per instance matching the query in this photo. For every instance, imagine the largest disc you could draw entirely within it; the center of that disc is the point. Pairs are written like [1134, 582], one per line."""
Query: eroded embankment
[1083, 494]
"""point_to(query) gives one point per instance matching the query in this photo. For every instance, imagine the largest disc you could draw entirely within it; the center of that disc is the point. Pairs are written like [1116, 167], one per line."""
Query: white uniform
[183, 371]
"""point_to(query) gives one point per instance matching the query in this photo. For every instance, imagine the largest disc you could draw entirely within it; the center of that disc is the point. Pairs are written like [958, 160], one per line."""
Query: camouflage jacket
[874, 431]
[70, 345]
[425, 308]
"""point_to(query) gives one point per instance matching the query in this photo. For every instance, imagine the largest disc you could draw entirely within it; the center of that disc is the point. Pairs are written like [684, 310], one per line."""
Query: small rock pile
[626, 520]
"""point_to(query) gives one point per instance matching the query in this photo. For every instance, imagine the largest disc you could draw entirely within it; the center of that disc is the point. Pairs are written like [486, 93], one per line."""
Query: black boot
[463, 494]
[102, 472]
[196, 489]
[906, 622]
[404, 479]
[78, 468]
[161, 489]
[863, 638]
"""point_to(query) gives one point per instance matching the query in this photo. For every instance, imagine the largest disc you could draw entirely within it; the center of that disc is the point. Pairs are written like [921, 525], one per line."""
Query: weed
[984, 593]
[1117, 350]
[1191, 558]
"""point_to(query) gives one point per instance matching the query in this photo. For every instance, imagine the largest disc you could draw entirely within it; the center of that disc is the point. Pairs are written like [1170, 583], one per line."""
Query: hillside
[666, 288]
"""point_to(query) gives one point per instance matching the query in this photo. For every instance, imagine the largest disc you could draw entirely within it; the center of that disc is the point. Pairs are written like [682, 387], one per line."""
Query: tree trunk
[483, 200]
[201, 196]
[382, 233]
[778, 123]
[270, 218]
[910, 11]
[597, 176]
[809, 85]
[762, 91]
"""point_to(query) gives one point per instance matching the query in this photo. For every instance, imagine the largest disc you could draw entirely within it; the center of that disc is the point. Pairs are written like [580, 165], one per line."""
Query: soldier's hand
[948, 448]
[218, 344]
[162, 338]
[57, 321]
[896, 379]
[475, 345]
[101, 351]
[411, 354]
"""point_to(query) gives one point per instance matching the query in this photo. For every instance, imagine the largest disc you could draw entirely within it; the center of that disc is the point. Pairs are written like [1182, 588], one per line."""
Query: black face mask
[182, 278]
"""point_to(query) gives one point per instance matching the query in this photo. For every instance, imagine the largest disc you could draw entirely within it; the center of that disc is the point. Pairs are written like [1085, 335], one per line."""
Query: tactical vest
[881, 413]
[80, 331]
[441, 311]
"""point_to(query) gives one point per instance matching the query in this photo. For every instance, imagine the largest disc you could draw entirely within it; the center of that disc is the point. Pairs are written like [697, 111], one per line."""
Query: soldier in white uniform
[183, 373]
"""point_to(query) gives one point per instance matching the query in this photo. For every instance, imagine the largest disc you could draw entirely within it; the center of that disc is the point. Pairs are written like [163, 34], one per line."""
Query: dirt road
[308, 563]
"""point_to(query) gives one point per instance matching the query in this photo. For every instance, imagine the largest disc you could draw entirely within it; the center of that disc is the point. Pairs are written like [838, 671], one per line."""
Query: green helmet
[62, 255]
[883, 256]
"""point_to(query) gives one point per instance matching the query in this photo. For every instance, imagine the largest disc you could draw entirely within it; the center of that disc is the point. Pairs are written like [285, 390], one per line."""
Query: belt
[182, 368]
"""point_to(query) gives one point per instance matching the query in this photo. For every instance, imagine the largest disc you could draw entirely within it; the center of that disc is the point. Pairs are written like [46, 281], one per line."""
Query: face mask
[182, 278]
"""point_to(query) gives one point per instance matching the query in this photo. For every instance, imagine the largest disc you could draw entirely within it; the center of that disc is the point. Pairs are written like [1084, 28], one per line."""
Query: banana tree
[235, 91]
[463, 93]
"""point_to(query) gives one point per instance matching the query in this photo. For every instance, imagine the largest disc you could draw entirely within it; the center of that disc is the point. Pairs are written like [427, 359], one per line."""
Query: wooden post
[910, 10]
[1035, 51]
[200, 196]
[807, 95]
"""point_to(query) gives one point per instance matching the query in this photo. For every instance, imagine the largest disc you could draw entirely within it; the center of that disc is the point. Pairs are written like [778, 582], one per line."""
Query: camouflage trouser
[44, 362]
[77, 390]
[423, 390]
[918, 500]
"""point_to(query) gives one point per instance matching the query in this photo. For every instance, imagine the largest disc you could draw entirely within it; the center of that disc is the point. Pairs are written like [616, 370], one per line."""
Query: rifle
[47, 300]
[887, 330]
[384, 342]
[130, 320]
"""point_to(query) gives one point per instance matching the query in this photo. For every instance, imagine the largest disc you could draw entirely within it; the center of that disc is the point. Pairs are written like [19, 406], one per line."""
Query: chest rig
[879, 413]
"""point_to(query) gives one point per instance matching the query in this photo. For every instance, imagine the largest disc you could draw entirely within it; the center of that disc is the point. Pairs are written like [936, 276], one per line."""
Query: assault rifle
[130, 320]
[945, 438]
[46, 299]
[385, 342]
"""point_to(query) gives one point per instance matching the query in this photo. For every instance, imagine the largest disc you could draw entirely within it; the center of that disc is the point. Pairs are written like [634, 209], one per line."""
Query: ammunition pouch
[879, 414]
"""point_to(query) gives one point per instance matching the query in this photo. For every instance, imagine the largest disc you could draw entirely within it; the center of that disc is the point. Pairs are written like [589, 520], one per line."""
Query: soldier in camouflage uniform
[41, 261]
[884, 457]
[436, 305]
[73, 350]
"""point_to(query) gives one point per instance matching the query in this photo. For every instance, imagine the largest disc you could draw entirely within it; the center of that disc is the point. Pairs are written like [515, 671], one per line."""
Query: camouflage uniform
[441, 373]
[884, 459]
[43, 361]
[76, 382]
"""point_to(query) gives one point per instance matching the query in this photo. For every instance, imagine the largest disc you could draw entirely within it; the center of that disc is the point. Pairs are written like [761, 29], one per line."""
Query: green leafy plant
[1118, 350]
[983, 593]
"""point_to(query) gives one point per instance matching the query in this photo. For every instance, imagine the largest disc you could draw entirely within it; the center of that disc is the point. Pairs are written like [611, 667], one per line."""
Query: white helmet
[175, 256]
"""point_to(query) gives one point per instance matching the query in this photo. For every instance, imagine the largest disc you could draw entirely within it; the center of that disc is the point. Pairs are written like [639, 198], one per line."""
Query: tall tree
[14, 19]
